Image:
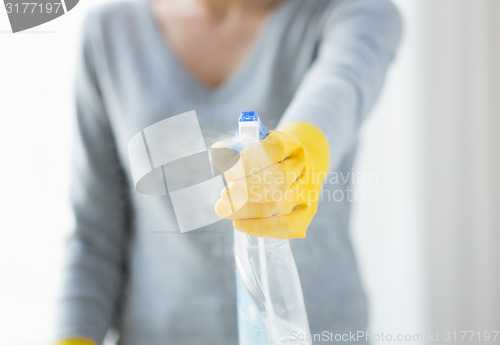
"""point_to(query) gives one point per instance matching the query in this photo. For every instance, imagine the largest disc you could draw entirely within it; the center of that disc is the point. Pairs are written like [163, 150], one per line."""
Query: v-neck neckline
[238, 75]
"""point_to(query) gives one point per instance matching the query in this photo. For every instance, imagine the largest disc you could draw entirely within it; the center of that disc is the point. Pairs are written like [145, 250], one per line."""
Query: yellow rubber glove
[76, 341]
[274, 186]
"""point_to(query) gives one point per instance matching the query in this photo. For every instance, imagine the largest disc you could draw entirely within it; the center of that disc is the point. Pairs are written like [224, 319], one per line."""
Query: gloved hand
[274, 186]
[76, 341]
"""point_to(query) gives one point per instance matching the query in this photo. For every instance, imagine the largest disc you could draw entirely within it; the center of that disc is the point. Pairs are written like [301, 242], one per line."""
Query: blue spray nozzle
[246, 118]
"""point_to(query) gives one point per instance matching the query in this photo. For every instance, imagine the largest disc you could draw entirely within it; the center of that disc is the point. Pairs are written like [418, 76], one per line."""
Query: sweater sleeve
[358, 44]
[96, 249]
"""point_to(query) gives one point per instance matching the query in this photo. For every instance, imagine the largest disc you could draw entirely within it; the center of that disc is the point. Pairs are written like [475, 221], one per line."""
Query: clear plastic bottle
[271, 309]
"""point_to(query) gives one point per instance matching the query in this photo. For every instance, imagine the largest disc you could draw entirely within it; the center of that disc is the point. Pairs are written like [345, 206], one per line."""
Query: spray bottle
[271, 309]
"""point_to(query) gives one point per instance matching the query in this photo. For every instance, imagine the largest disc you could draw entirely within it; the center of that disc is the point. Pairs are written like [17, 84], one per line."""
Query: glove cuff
[76, 341]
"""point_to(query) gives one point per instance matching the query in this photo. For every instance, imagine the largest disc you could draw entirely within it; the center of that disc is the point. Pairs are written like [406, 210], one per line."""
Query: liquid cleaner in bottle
[270, 302]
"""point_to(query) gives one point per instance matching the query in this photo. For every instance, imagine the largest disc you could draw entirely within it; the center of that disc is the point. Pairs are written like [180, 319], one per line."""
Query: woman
[312, 68]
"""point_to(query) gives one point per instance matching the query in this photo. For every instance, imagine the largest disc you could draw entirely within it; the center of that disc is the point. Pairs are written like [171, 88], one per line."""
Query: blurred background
[426, 230]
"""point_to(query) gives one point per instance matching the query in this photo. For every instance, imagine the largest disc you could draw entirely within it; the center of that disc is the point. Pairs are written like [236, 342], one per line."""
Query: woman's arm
[97, 247]
[358, 44]
[318, 128]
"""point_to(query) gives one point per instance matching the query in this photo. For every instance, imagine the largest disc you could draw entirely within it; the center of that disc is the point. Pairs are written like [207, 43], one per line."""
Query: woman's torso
[181, 287]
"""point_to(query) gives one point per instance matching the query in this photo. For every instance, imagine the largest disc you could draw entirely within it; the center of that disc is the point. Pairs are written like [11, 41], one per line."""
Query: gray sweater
[319, 61]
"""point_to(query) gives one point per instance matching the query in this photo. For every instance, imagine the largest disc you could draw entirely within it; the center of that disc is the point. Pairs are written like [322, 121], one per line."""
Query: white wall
[462, 150]
[387, 226]
[36, 70]
[428, 236]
